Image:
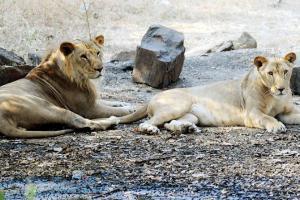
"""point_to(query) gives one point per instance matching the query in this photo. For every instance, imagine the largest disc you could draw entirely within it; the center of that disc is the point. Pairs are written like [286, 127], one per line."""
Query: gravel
[223, 162]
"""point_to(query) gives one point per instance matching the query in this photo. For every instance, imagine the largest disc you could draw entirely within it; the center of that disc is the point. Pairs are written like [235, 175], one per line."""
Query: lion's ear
[67, 48]
[100, 39]
[259, 61]
[291, 57]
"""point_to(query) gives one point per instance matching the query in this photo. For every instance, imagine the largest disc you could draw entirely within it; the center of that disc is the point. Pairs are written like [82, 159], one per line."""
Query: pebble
[77, 174]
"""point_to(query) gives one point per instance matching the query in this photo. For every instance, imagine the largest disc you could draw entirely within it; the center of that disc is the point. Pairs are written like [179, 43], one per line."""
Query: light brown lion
[262, 99]
[58, 91]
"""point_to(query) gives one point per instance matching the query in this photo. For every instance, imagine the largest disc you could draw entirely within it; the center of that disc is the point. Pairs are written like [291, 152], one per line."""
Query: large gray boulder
[10, 58]
[160, 57]
[11, 73]
[12, 67]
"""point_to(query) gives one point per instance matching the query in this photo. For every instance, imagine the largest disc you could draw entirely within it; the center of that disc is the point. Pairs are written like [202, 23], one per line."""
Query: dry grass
[34, 25]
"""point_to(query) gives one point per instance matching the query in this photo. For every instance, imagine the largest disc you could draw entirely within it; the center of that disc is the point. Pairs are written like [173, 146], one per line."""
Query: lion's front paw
[103, 124]
[277, 127]
[148, 128]
[96, 126]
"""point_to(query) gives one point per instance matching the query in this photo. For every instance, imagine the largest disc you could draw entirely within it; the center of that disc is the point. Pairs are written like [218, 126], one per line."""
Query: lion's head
[275, 73]
[82, 60]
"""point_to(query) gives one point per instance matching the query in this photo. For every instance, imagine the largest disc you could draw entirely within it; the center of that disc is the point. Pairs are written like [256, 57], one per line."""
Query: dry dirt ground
[226, 162]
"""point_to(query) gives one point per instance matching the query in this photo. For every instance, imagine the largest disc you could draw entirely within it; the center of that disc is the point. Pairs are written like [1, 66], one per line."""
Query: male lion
[58, 91]
[262, 99]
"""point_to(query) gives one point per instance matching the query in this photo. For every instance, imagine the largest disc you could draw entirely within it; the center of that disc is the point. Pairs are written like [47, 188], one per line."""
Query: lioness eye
[83, 56]
[285, 71]
[98, 53]
[270, 73]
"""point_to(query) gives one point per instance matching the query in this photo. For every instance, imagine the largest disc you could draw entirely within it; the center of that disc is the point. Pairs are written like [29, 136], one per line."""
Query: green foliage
[30, 192]
[2, 195]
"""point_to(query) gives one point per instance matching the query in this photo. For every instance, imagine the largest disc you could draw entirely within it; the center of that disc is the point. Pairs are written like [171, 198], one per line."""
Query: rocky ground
[226, 162]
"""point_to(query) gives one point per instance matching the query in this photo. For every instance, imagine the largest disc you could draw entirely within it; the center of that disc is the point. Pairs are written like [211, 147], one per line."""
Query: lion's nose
[280, 90]
[99, 68]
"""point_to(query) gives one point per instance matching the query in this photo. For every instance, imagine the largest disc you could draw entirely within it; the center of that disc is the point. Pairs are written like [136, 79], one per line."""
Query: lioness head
[82, 60]
[275, 73]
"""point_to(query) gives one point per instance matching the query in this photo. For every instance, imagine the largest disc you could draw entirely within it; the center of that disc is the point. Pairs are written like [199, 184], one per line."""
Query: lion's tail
[14, 132]
[137, 115]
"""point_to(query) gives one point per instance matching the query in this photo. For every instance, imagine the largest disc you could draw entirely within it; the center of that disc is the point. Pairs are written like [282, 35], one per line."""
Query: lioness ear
[100, 39]
[259, 61]
[291, 57]
[67, 48]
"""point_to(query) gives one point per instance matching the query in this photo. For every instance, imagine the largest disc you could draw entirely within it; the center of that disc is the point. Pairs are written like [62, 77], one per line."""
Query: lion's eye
[98, 53]
[83, 56]
[270, 73]
[285, 71]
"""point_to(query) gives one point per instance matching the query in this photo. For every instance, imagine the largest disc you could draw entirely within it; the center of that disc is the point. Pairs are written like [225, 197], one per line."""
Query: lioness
[262, 99]
[58, 91]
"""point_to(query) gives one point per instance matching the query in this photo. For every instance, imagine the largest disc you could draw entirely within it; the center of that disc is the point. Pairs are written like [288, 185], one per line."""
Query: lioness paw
[94, 126]
[278, 127]
[148, 128]
[182, 127]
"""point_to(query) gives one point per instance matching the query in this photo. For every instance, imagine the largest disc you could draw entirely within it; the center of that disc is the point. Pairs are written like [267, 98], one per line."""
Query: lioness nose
[280, 89]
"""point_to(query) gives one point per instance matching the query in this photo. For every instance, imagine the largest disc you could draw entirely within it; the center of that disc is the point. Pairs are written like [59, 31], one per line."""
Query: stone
[11, 73]
[57, 149]
[77, 174]
[225, 46]
[34, 59]
[10, 58]
[295, 81]
[123, 56]
[160, 57]
[245, 41]
[127, 65]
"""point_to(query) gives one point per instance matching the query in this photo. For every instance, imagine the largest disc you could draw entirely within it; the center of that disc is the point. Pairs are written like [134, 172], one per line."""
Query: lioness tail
[137, 115]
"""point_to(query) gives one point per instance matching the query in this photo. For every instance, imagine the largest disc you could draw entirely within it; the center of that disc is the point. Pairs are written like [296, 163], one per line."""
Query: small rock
[10, 58]
[93, 133]
[286, 152]
[34, 59]
[57, 149]
[200, 175]
[77, 174]
[225, 46]
[160, 57]
[123, 56]
[245, 41]
[12, 73]
[127, 65]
